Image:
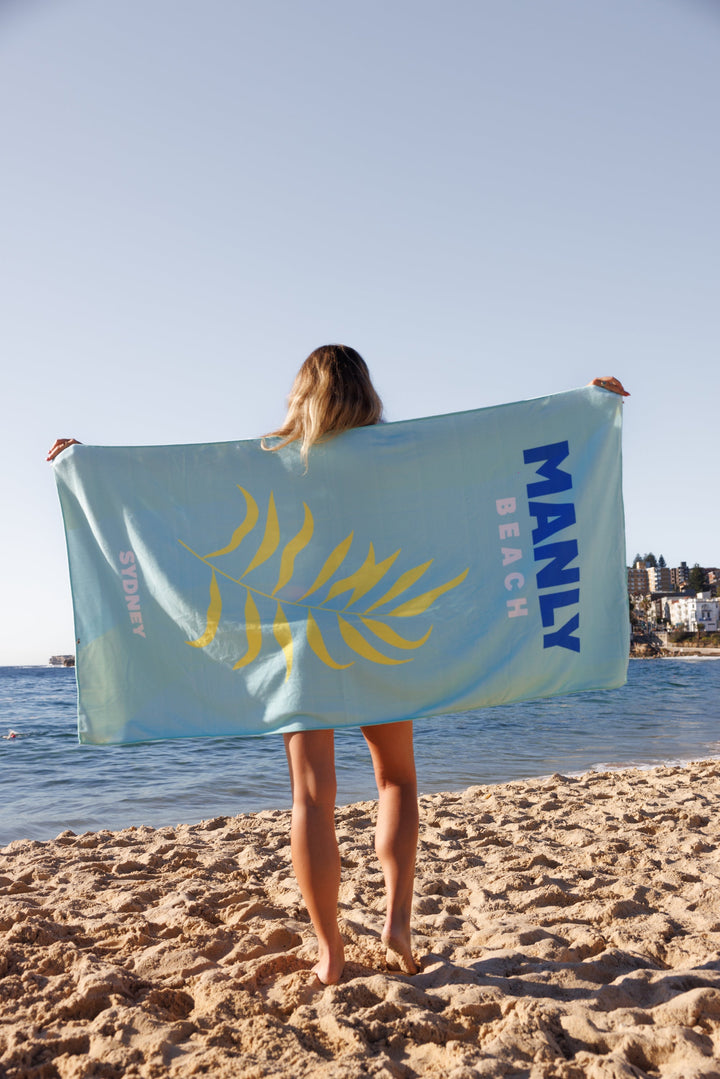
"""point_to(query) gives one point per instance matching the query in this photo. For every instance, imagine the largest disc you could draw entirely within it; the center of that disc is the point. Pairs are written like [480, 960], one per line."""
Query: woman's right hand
[59, 445]
[614, 385]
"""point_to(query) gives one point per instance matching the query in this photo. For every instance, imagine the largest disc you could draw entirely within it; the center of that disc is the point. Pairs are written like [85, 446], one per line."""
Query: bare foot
[398, 954]
[329, 967]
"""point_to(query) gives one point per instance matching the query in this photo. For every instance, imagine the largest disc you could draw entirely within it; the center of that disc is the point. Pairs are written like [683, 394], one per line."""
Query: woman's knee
[391, 748]
[315, 792]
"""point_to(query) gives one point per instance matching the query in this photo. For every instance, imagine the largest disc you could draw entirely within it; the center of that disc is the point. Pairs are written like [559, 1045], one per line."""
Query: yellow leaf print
[363, 579]
[251, 516]
[316, 642]
[269, 541]
[388, 634]
[405, 581]
[334, 561]
[213, 616]
[283, 636]
[357, 642]
[358, 583]
[421, 603]
[293, 549]
[253, 628]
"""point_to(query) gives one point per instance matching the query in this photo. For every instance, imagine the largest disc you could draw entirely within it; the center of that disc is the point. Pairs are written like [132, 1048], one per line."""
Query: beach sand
[567, 927]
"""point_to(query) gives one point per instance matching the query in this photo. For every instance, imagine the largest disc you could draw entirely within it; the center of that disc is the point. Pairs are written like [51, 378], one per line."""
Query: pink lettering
[517, 607]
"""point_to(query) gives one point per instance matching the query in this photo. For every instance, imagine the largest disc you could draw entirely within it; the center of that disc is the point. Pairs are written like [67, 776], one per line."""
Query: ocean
[669, 712]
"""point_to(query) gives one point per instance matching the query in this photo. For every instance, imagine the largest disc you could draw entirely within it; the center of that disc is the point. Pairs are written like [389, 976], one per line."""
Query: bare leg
[391, 747]
[315, 855]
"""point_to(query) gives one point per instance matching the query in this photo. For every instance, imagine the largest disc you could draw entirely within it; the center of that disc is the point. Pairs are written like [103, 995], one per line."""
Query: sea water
[669, 712]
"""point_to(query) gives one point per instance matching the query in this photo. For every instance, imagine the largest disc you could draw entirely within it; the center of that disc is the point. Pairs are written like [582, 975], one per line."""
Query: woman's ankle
[331, 960]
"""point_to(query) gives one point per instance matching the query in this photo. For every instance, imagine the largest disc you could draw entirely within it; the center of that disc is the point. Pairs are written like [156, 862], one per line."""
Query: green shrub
[692, 639]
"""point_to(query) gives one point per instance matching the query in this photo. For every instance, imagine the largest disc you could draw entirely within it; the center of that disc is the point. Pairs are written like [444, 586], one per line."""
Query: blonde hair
[332, 392]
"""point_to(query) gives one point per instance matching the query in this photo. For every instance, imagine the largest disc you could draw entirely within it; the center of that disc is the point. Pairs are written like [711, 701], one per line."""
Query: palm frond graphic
[365, 630]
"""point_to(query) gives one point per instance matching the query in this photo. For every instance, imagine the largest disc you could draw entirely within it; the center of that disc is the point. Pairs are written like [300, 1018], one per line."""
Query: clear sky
[490, 199]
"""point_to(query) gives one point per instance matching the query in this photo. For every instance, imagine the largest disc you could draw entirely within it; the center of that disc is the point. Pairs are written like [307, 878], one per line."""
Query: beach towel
[418, 568]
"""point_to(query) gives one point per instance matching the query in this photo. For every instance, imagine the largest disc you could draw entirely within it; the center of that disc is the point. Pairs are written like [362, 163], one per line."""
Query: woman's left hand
[59, 445]
[610, 383]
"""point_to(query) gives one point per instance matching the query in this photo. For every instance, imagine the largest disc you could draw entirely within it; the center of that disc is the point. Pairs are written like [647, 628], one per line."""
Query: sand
[568, 928]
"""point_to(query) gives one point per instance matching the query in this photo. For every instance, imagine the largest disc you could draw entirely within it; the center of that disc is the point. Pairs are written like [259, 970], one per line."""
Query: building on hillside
[659, 603]
[713, 577]
[660, 579]
[691, 611]
[707, 611]
[638, 584]
[680, 576]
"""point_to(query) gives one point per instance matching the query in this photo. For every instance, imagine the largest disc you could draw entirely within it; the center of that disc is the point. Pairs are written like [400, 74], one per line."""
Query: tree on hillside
[697, 580]
[637, 558]
[650, 559]
[661, 562]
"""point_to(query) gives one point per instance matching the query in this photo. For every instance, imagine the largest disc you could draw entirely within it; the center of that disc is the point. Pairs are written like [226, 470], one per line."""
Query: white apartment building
[688, 611]
[659, 578]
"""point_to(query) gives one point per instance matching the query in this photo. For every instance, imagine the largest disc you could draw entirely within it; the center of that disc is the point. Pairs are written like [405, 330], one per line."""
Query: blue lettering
[550, 601]
[555, 479]
[562, 637]
[555, 574]
[551, 517]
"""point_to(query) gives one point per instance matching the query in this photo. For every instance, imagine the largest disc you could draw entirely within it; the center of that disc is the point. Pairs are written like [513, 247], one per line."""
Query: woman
[333, 393]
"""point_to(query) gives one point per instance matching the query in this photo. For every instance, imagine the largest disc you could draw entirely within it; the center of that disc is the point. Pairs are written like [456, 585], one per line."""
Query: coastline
[671, 651]
[567, 927]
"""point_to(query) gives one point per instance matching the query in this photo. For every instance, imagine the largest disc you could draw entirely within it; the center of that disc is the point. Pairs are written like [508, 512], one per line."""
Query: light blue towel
[414, 569]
